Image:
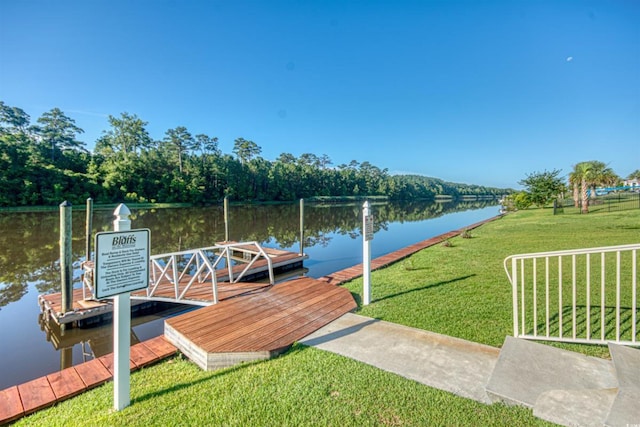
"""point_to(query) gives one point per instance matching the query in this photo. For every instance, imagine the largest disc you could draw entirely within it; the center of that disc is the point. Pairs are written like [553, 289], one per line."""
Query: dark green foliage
[46, 165]
[517, 201]
[543, 186]
[58, 132]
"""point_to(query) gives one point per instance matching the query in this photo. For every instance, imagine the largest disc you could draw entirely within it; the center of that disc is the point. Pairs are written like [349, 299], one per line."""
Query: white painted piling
[121, 328]
[367, 236]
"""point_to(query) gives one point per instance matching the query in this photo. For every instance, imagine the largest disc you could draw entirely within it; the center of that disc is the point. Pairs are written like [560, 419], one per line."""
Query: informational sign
[368, 227]
[122, 262]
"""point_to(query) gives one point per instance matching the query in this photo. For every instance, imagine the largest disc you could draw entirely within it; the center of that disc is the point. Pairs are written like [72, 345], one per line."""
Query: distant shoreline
[312, 200]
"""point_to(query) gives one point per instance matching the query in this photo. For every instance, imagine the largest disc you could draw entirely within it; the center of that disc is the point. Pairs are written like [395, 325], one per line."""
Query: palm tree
[574, 181]
[600, 174]
[583, 172]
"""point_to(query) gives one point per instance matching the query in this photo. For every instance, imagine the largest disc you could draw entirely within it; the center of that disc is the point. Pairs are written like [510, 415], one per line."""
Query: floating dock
[199, 277]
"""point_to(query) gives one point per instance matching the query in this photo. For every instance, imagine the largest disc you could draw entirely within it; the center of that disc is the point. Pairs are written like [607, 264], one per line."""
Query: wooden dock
[258, 326]
[87, 311]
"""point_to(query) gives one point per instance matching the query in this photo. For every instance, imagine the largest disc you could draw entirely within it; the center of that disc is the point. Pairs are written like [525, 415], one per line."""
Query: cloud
[88, 113]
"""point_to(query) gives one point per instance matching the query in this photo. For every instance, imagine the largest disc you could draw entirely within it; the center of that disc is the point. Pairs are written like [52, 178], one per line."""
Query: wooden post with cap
[66, 262]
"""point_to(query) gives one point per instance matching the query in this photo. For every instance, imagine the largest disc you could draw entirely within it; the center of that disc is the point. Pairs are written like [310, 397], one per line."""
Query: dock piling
[66, 263]
[226, 219]
[88, 228]
[301, 226]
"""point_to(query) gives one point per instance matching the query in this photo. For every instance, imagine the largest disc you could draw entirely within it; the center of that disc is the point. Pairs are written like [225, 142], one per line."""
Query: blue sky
[480, 92]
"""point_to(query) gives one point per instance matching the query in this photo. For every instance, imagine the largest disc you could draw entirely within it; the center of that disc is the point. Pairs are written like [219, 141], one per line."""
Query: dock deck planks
[257, 326]
[198, 293]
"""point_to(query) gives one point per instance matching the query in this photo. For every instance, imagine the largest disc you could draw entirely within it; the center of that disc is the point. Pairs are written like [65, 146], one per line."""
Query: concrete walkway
[563, 387]
[451, 364]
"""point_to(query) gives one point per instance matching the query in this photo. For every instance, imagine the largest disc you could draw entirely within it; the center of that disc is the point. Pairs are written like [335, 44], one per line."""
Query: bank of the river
[311, 387]
[29, 266]
[106, 206]
[315, 199]
[460, 289]
[57, 387]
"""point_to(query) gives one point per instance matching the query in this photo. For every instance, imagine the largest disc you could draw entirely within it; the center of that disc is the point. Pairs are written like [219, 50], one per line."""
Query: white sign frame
[121, 262]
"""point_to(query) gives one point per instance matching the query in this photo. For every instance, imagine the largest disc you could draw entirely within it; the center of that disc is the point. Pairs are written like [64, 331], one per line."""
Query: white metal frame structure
[202, 265]
[583, 296]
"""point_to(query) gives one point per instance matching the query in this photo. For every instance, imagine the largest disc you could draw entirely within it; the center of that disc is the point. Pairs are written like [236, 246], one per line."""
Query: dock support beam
[66, 262]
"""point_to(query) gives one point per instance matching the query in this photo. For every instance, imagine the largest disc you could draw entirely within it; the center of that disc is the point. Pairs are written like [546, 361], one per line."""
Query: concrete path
[560, 386]
[451, 364]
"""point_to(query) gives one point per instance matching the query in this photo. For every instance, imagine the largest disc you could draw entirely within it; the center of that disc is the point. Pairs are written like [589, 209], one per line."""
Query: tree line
[45, 163]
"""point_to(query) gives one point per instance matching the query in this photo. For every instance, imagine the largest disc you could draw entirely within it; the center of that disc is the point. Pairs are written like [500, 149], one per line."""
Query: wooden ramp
[257, 326]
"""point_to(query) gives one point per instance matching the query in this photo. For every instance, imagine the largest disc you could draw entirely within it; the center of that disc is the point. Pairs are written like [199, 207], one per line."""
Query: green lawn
[463, 290]
[303, 387]
[460, 291]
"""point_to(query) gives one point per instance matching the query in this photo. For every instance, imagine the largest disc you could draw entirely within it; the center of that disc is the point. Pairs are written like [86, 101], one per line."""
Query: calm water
[29, 261]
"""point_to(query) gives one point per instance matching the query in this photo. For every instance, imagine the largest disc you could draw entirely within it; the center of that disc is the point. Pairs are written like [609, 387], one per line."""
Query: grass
[460, 290]
[305, 387]
[607, 203]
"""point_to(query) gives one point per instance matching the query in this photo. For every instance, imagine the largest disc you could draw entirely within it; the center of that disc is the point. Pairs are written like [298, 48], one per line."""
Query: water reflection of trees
[27, 254]
[30, 252]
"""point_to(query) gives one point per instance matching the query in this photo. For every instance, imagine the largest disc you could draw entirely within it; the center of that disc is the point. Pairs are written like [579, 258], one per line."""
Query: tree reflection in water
[29, 251]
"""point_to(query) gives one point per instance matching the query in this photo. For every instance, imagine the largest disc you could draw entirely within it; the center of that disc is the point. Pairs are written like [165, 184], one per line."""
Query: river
[29, 261]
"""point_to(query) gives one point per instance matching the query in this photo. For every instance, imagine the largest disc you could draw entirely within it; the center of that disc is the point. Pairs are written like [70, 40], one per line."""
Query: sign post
[121, 266]
[367, 232]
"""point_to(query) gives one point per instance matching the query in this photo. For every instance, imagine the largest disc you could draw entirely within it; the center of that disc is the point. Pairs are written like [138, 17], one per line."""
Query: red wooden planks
[93, 373]
[161, 347]
[264, 322]
[141, 355]
[36, 394]
[10, 405]
[108, 362]
[66, 383]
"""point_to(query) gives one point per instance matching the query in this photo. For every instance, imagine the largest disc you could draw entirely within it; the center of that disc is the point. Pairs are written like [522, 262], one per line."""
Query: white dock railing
[205, 265]
[582, 296]
[224, 262]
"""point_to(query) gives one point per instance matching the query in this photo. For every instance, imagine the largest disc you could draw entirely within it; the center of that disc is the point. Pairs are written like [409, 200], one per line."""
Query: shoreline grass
[460, 291]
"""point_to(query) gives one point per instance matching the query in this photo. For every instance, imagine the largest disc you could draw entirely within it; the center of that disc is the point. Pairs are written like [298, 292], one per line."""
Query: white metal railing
[583, 296]
[226, 262]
